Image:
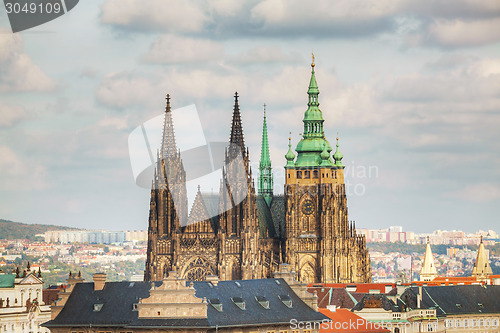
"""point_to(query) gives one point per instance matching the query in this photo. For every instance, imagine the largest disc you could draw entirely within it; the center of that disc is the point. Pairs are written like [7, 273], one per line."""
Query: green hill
[16, 230]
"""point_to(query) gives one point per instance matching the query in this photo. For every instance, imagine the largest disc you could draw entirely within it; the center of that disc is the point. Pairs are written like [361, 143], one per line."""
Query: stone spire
[168, 146]
[482, 268]
[265, 170]
[428, 272]
[313, 142]
[236, 137]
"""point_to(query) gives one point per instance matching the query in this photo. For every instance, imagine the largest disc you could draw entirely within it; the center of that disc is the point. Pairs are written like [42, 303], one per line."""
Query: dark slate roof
[265, 218]
[211, 201]
[455, 299]
[387, 304]
[255, 313]
[118, 299]
[278, 213]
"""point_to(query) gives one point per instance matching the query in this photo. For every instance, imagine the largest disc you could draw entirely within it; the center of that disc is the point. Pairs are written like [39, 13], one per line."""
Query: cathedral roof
[266, 301]
[271, 216]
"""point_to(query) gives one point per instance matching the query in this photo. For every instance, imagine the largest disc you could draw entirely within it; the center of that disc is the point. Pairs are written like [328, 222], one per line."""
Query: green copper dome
[290, 156]
[338, 156]
[325, 155]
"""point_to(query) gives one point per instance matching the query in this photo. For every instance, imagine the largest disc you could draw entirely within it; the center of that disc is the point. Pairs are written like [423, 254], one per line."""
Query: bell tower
[321, 244]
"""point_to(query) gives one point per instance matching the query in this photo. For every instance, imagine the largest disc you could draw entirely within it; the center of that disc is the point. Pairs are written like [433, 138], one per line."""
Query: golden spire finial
[312, 65]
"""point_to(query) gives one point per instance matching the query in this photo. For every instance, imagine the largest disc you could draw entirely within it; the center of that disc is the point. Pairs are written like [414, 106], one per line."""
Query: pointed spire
[482, 266]
[290, 156]
[313, 85]
[338, 156]
[168, 146]
[266, 181]
[236, 127]
[428, 272]
[265, 159]
[311, 146]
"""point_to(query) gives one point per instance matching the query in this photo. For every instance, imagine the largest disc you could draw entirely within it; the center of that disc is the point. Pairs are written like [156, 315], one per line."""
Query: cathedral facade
[306, 227]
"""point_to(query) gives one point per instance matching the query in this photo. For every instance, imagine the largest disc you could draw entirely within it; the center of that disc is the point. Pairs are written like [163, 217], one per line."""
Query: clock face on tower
[308, 207]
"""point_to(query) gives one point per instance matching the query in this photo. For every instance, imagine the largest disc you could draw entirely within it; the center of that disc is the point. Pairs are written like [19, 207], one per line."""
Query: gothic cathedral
[307, 227]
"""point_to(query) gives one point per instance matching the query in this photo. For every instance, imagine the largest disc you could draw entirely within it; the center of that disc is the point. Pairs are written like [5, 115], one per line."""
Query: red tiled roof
[344, 320]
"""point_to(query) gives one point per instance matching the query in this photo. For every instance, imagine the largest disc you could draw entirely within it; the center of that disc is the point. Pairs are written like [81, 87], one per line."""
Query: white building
[21, 304]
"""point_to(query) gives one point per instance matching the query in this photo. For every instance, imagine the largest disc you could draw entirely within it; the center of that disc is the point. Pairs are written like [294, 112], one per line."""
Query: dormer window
[98, 307]
[215, 302]
[262, 301]
[239, 302]
[287, 300]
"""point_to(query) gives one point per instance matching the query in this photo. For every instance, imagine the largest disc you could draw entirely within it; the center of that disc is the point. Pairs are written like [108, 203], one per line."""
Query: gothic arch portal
[197, 269]
[307, 271]
[307, 274]
[234, 270]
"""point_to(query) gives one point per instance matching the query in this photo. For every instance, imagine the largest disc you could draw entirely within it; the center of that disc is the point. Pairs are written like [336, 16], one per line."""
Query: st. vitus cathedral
[307, 227]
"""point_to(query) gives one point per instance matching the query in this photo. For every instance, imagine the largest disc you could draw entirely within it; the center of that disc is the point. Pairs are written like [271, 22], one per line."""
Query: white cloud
[172, 49]
[113, 122]
[168, 16]
[265, 54]
[18, 73]
[482, 192]
[120, 90]
[17, 174]
[461, 33]
[11, 114]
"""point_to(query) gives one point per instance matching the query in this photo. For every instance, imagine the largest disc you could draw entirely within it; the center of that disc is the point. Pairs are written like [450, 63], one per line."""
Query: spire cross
[236, 96]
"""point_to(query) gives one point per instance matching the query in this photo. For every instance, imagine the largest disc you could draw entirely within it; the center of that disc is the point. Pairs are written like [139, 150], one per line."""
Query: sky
[412, 88]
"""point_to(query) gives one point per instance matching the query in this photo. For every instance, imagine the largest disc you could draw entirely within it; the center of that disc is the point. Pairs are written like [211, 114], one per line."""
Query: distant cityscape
[94, 250]
[453, 237]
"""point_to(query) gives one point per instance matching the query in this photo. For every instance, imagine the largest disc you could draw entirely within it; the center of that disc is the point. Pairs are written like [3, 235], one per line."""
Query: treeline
[17, 230]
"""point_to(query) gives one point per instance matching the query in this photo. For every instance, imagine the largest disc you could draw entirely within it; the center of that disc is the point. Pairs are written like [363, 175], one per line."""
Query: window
[307, 174]
[239, 302]
[262, 301]
[215, 302]
[299, 174]
[286, 299]
[315, 174]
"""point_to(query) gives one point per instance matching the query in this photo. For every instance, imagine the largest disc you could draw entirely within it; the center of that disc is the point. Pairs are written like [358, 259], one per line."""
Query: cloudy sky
[411, 86]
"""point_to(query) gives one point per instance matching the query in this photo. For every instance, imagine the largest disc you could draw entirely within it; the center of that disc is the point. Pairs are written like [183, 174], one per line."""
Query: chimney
[214, 279]
[99, 281]
[419, 297]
